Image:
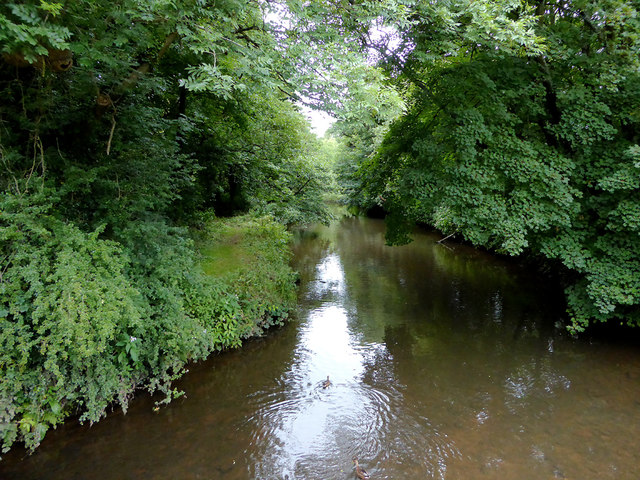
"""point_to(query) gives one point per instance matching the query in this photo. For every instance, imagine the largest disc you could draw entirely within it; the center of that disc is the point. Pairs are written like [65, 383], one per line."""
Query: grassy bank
[250, 257]
[86, 322]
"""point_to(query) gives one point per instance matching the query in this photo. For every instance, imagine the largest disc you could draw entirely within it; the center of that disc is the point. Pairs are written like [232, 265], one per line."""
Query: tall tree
[119, 121]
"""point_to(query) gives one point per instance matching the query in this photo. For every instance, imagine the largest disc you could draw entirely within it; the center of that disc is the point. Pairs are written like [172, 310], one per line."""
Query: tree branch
[446, 238]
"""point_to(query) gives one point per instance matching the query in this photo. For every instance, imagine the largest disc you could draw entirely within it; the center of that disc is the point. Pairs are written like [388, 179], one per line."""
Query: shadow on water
[444, 363]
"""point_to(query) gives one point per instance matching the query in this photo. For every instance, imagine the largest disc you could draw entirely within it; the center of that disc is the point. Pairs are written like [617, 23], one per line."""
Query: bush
[65, 303]
[85, 321]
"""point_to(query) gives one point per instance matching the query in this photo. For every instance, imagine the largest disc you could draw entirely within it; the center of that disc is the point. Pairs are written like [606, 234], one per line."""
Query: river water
[444, 363]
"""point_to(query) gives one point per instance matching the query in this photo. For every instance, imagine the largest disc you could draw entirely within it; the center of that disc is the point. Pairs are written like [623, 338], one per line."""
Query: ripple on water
[329, 281]
[310, 432]
[302, 430]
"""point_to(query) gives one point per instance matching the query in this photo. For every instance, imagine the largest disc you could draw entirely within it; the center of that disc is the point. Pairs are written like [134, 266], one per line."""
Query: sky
[320, 121]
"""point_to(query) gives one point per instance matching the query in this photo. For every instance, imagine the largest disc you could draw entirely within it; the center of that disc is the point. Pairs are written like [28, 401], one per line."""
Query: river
[444, 362]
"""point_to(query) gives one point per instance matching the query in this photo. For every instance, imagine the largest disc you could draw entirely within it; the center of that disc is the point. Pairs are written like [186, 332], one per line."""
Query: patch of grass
[250, 255]
[223, 258]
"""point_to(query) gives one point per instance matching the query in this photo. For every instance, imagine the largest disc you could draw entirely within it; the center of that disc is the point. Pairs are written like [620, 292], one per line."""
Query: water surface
[444, 363]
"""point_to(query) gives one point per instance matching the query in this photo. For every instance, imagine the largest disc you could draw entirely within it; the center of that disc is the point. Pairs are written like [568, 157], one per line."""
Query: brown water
[444, 363]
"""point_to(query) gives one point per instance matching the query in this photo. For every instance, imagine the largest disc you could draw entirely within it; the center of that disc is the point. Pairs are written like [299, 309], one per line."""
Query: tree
[120, 123]
[523, 146]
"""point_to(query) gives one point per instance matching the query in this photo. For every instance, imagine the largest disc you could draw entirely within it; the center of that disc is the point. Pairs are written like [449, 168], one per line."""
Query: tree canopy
[521, 135]
[123, 125]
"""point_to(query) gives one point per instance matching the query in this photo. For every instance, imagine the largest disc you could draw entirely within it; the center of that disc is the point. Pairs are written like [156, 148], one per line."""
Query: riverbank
[445, 362]
[99, 326]
[250, 256]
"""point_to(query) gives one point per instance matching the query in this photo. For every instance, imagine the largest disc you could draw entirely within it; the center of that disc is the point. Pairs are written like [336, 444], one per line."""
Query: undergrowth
[86, 320]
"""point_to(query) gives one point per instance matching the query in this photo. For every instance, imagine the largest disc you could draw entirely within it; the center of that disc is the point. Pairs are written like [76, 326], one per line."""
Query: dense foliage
[119, 123]
[250, 255]
[521, 135]
[513, 125]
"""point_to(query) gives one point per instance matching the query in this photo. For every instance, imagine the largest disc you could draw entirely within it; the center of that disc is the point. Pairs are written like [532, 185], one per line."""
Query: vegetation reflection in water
[444, 363]
[479, 377]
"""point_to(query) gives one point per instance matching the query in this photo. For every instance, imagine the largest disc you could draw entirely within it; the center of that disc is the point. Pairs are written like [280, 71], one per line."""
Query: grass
[251, 256]
[223, 258]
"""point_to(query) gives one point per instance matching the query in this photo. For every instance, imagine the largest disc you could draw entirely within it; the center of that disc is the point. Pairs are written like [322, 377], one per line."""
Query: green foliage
[521, 152]
[258, 154]
[64, 302]
[84, 324]
[119, 123]
[361, 125]
[25, 32]
[261, 281]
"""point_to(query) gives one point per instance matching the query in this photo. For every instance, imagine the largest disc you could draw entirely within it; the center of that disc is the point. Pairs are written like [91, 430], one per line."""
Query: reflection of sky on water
[307, 431]
[328, 346]
[312, 425]
[329, 279]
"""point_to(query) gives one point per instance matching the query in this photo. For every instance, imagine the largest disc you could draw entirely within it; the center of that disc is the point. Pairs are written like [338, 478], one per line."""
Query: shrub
[85, 321]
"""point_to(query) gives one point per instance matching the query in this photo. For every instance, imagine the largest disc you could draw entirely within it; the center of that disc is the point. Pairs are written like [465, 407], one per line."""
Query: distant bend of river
[443, 363]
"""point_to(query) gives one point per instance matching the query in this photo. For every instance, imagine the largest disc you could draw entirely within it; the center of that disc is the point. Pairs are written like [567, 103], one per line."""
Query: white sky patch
[320, 121]
[276, 15]
[386, 37]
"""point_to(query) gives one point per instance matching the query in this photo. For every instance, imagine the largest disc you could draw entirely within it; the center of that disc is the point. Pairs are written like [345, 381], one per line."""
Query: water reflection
[329, 279]
[308, 432]
[313, 432]
[444, 364]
